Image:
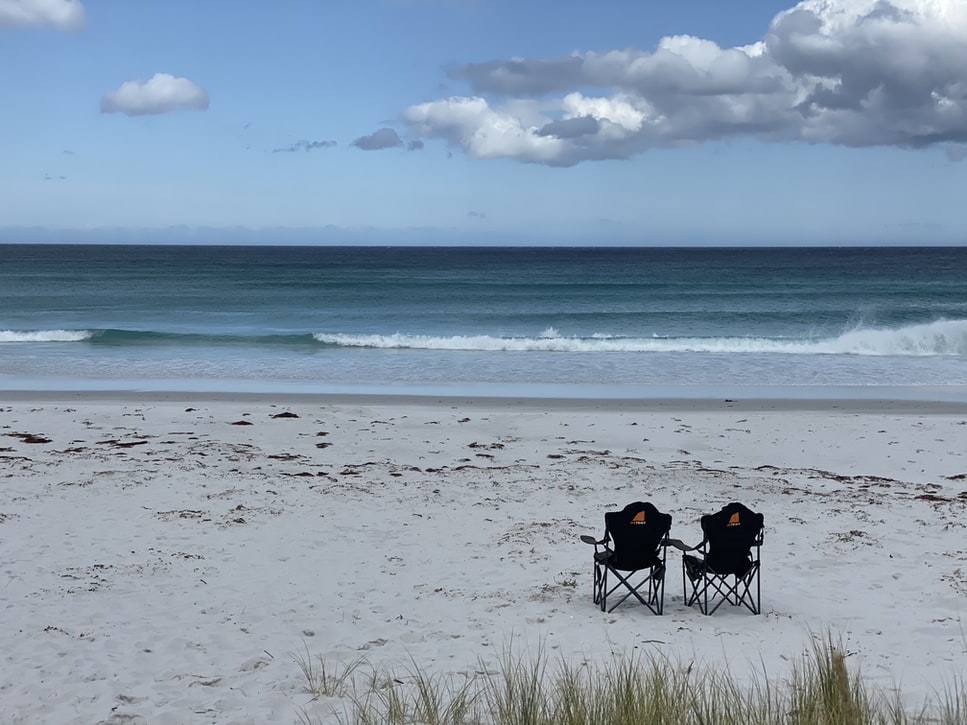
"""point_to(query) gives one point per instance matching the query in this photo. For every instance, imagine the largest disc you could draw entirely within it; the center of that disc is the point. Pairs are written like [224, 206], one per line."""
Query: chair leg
[692, 587]
[596, 584]
[660, 594]
[739, 592]
[687, 597]
[710, 590]
[649, 591]
[758, 589]
[754, 605]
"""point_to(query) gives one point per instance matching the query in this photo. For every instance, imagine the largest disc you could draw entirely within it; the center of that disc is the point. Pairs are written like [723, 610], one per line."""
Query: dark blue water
[408, 318]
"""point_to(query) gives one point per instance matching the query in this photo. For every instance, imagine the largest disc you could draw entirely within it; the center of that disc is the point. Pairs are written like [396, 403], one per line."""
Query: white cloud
[62, 14]
[161, 93]
[482, 131]
[848, 72]
[872, 72]
[623, 111]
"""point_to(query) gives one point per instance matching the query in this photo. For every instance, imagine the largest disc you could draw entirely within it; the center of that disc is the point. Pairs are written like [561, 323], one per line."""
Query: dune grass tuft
[324, 679]
[528, 690]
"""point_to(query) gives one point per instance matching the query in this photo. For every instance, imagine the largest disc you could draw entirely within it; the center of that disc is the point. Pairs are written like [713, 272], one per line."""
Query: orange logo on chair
[734, 519]
[639, 518]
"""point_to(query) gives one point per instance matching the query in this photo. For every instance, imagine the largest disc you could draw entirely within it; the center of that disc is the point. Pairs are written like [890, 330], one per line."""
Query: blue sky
[484, 121]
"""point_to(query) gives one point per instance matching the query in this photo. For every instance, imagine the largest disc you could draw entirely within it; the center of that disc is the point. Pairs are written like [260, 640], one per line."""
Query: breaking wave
[133, 338]
[943, 337]
[44, 335]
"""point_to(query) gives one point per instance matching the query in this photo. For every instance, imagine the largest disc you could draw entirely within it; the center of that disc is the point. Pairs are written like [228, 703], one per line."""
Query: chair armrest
[591, 540]
[680, 545]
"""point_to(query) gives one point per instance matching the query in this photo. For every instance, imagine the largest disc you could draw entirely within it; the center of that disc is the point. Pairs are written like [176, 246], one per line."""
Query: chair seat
[629, 563]
[739, 567]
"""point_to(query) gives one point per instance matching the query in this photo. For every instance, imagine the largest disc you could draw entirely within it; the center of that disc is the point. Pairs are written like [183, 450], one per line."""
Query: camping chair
[633, 548]
[725, 569]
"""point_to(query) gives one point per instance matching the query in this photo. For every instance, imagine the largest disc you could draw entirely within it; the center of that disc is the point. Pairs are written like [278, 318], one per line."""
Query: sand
[166, 558]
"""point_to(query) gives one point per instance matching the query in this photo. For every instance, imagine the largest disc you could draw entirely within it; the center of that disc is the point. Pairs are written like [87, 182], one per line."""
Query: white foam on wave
[44, 335]
[943, 337]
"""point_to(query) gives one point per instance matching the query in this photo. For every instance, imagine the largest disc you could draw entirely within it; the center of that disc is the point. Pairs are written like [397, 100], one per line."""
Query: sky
[484, 121]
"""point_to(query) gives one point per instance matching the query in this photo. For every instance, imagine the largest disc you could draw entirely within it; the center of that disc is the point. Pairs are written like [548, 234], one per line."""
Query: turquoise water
[562, 321]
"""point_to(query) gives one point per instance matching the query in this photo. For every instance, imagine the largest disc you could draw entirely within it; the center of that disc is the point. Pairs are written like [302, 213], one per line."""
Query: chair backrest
[731, 533]
[636, 533]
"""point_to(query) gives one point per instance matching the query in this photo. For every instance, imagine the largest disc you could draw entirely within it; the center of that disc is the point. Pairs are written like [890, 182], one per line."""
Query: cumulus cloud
[304, 145]
[62, 14]
[484, 132]
[846, 72]
[160, 94]
[384, 138]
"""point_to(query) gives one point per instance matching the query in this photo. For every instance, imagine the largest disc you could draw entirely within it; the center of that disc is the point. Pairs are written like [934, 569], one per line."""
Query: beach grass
[325, 679]
[822, 689]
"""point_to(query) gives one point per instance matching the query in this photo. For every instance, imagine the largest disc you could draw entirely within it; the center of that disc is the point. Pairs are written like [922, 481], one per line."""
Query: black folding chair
[726, 565]
[633, 551]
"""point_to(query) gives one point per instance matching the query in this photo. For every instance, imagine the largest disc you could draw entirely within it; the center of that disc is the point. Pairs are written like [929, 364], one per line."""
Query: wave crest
[44, 335]
[943, 337]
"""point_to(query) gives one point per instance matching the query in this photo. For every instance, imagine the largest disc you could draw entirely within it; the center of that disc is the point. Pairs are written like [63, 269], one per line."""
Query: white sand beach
[164, 557]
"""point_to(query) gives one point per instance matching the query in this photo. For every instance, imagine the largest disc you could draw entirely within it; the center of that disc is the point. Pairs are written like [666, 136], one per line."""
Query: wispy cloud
[845, 72]
[956, 153]
[159, 94]
[63, 14]
[384, 138]
[304, 145]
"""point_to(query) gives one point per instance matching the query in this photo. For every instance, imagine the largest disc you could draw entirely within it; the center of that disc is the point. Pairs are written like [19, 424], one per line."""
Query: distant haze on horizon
[478, 122]
[334, 236]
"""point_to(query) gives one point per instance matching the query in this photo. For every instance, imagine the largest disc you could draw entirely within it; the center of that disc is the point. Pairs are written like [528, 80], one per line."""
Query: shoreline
[884, 405]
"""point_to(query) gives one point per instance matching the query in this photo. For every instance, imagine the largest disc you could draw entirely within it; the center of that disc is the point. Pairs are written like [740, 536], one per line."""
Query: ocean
[564, 322]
